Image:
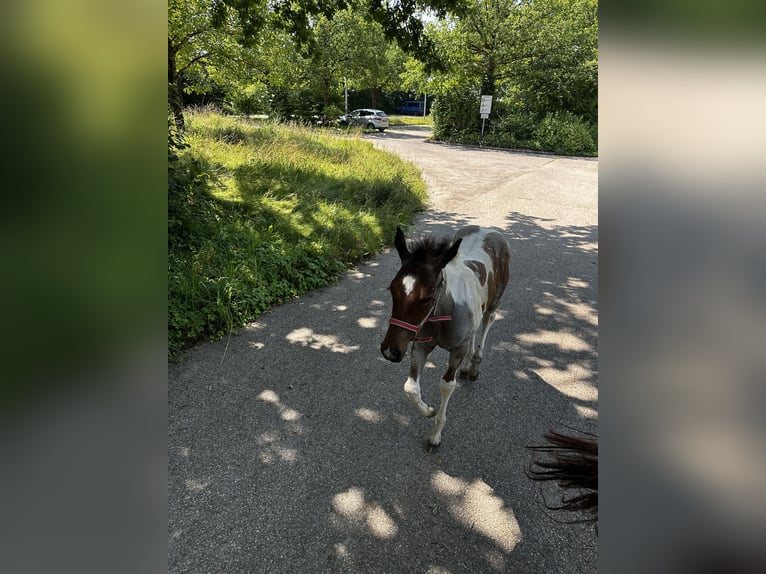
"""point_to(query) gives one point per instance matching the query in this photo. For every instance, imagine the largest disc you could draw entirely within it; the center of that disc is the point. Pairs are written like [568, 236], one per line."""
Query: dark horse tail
[573, 463]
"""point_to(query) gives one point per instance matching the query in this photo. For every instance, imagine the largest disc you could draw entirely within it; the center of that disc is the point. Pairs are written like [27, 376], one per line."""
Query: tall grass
[260, 213]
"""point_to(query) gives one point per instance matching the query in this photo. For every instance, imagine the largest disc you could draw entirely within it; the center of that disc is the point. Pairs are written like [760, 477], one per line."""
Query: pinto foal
[446, 294]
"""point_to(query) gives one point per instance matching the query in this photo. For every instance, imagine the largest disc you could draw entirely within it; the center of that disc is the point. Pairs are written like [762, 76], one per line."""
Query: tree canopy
[540, 56]
[216, 38]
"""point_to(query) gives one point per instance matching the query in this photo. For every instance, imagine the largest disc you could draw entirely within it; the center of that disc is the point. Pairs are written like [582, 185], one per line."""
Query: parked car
[367, 118]
[411, 108]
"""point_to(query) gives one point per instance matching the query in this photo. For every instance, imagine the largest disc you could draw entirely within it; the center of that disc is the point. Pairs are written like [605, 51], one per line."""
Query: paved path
[292, 447]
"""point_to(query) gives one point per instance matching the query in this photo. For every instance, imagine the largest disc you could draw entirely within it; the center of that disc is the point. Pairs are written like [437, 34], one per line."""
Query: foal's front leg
[446, 388]
[478, 351]
[412, 386]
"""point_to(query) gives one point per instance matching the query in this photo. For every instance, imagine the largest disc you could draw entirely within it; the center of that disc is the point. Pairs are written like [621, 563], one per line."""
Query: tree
[352, 47]
[558, 70]
[543, 51]
[377, 61]
[206, 33]
[201, 34]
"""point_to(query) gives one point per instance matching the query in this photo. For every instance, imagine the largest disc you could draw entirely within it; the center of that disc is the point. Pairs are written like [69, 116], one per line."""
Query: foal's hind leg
[478, 354]
[446, 388]
[412, 386]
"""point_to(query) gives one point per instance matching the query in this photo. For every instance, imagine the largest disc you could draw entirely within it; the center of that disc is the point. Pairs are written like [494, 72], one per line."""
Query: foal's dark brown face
[413, 295]
[412, 291]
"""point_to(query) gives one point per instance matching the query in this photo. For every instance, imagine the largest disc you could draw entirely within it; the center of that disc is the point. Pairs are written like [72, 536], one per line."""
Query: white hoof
[430, 413]
[435, 439]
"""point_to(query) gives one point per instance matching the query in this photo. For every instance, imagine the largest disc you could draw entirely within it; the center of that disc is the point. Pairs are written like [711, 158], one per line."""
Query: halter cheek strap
[434, 318]
[405, 325]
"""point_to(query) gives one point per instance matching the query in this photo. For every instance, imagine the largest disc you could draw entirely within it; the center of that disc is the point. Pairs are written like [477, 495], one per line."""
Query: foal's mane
[425, 248]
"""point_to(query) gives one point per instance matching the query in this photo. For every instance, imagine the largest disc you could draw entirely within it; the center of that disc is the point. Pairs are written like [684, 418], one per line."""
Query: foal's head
[415, 290]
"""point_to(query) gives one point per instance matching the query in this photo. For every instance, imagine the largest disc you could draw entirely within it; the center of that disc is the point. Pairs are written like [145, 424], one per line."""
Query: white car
[367, 118]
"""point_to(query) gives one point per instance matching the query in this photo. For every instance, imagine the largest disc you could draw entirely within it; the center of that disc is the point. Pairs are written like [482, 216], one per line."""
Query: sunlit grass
[264, 212]
[410, 120]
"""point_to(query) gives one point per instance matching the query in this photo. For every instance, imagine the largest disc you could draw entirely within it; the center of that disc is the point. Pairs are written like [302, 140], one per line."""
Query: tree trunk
[325, 92]
[488, 81]
[175, 93]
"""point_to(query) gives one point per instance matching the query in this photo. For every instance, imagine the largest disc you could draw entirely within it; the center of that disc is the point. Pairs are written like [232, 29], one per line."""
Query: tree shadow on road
[293, 448]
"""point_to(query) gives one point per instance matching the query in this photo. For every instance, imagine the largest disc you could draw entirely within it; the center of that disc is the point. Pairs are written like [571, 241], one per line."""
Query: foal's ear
[401, 244]
[450, 253]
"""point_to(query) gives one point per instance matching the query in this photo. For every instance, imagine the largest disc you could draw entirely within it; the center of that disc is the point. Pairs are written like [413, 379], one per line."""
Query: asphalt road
[292, 447]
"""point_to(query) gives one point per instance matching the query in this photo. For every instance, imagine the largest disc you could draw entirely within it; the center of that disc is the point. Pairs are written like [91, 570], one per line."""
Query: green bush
[511, 125]
[332, 112]
[455, 115]
[565, 133]
[252, 99]
[517, 127]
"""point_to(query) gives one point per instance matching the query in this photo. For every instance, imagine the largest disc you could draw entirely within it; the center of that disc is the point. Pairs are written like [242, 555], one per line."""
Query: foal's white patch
[408, 283]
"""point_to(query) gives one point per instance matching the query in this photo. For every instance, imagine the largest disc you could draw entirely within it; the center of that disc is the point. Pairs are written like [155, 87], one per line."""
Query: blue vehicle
[411, 108]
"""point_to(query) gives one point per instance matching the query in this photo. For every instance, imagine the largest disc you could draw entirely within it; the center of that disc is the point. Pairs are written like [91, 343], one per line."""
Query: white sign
[484, 116]
[486, 105]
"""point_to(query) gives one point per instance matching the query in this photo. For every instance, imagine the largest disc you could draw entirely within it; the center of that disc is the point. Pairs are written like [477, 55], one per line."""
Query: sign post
[484, 109]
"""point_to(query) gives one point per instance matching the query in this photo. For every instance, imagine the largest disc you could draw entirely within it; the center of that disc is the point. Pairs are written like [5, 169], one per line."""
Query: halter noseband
[416, 328]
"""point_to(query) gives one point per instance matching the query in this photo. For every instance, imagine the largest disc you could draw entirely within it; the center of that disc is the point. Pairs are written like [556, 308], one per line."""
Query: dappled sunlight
[574, 381]
[564, 341]
[341, 551]
[271, 451]
[582, 244]
[269, 396]
[285, 413]
[306, 337]
[476, 507]
[586, 412]
[580, 311]
[256, 346]
[352, 507]
[495, 559]
[369, 415]
[540, 310]
[359, 275]
[195, 486]
[401, 420]
[289, 415]
[340, 308]
[367, 322]
[577, 283]
[507, 346]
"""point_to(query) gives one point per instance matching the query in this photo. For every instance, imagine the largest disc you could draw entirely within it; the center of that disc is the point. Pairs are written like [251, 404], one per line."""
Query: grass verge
[410, 120]
[260, 213]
